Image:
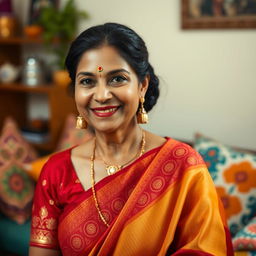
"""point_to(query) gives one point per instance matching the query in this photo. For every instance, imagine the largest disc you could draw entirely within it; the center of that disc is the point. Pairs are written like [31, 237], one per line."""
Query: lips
[105, 111]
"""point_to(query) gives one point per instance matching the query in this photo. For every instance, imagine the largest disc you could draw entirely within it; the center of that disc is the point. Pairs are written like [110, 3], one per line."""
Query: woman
[125, 191]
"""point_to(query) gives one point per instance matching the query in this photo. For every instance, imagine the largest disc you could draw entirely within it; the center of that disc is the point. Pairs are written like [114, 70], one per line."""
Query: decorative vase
[33, 73]
[61, 78]
[8, 26]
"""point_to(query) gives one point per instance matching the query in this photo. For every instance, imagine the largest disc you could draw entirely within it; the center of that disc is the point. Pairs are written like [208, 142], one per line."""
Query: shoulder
[183, 153]
[59, 159]
[57, 164]
[153, 140]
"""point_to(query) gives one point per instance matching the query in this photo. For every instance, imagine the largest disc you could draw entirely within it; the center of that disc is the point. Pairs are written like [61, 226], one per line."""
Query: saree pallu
[164, 203]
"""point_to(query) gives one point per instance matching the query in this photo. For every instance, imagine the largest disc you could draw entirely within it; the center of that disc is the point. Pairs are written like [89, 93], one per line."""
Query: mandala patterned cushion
[72, 136]
[16, 187]
[245, 239]
[234, 175]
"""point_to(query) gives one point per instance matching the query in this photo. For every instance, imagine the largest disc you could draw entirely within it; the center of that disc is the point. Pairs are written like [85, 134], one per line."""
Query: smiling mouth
[105, 111]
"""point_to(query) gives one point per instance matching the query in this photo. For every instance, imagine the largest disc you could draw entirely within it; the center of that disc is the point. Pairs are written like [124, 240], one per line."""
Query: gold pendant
[111, 169]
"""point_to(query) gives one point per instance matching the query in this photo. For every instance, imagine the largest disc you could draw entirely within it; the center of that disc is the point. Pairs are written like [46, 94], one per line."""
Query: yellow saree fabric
[192, 221]
[171, 208]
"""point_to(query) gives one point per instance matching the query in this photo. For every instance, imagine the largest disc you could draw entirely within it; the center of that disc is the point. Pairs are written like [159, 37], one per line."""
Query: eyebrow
[112, 72]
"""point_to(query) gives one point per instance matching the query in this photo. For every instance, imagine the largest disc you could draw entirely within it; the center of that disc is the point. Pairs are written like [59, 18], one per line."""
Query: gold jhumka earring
[80, 123]
[142, 116]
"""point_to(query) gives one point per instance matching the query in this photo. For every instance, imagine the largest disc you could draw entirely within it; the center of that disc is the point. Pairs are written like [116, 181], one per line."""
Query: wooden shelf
[19, 87]
[21, 40]
[14, 97]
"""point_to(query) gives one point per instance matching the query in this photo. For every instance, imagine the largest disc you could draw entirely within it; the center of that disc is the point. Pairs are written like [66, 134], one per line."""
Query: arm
[36, 251]
[45, 213]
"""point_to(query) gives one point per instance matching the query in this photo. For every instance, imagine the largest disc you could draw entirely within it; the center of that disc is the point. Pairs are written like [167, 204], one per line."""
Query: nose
[102, 93]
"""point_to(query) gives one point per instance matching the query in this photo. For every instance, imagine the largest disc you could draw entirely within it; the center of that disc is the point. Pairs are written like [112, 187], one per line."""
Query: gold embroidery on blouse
[43, 228]
[51, 202]
[77, 181]
[43, 212]
[44, 182]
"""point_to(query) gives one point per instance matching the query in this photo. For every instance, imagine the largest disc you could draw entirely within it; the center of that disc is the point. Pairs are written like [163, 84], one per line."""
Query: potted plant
[59, 29]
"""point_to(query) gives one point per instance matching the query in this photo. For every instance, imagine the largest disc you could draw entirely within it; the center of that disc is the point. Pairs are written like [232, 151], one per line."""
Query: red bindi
[100, 69]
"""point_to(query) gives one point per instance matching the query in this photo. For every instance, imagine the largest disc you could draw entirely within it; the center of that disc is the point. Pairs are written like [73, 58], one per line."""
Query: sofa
[233, 172]
[20, 166]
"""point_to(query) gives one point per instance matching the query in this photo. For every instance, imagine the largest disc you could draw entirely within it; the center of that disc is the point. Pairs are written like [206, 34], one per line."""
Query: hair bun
[153, 90]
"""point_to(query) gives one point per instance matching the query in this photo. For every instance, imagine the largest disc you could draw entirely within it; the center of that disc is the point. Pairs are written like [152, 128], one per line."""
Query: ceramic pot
[8, 73]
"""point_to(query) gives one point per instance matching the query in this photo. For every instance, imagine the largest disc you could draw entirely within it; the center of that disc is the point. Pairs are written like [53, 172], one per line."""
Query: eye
[87, 81]
[118, 80]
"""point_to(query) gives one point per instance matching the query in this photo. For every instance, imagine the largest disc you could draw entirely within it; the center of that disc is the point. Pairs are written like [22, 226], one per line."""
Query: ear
[143, 87]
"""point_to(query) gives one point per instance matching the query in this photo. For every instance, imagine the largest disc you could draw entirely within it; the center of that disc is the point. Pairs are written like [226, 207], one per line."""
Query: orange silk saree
[164, 203]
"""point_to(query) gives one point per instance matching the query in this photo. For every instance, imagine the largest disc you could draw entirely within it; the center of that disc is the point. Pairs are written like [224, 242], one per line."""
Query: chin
[110, 127]
[106, 128]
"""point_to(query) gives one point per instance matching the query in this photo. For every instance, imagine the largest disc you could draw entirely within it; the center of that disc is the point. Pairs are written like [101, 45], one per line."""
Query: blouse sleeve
[46, 210]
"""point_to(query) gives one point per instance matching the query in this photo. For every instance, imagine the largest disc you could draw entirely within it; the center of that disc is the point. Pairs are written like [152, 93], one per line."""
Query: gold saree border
[129, 244]
[106, 191]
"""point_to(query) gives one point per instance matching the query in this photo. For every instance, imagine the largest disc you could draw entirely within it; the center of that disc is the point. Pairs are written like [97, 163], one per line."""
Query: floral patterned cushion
[245, 239]
[16, 187]
[245, 253]
[234, 175]
[72, 136]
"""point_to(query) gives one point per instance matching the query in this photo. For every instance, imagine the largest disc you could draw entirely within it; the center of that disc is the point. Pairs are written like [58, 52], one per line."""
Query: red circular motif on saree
[117, 204]
[180, 152]
[91, 228]
[191, 160]
[157, 184]
[77, 242]
[144, 199]
[169, 167]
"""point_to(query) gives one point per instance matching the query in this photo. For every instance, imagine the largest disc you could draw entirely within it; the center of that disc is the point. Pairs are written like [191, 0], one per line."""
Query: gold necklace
[96, 202]
[111, 168]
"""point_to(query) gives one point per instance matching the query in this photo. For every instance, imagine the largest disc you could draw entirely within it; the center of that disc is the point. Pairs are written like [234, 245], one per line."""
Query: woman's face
[107, 99]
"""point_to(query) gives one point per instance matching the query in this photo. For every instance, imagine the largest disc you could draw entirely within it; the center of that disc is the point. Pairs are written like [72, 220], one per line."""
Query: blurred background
[204, 52]
[207, 76]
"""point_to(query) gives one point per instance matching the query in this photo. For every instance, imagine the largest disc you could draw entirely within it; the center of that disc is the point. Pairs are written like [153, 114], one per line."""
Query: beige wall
[208, 78]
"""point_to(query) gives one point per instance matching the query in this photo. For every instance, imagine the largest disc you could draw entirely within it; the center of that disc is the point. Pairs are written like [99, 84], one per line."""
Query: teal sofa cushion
[14, 238]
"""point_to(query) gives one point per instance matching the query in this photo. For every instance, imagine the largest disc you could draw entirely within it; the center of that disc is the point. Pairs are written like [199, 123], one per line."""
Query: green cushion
[14, 238]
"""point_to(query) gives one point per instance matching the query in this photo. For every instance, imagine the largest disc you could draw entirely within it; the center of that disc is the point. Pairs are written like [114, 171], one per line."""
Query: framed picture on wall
[218, 14]
[37, 5]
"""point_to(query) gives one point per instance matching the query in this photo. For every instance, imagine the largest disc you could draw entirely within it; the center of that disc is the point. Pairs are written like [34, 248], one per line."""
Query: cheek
[82, 97]
[131, 97]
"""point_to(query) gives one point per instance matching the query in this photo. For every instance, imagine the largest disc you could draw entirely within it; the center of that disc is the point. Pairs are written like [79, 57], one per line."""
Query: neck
[119, 147]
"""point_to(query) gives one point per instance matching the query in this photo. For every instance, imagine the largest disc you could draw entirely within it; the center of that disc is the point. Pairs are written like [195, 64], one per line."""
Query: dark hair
[129, 45]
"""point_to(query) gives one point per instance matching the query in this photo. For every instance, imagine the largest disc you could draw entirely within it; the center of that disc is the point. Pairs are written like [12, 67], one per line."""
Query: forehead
[105, 56]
